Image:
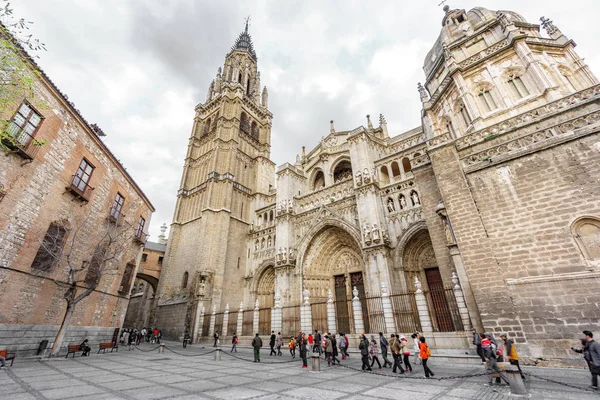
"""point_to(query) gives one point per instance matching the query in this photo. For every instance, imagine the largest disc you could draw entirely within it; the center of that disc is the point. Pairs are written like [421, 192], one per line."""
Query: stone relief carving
[367, 234]
[375, 233]
[390, 205]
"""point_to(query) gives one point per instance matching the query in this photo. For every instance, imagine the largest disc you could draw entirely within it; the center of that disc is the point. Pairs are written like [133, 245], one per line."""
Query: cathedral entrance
[265, 294]
[333, 262]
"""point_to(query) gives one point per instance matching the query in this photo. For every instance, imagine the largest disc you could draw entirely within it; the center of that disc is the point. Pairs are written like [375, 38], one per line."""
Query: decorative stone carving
[503, 19]
[358, 177]
[375, 233]
[390, 205]
[415, 198]
[202, 287]
[455, 281]
[256, 305]
[548, 25]
[418, 285]
[355, 293]
[329, 296]
[385, 236]
[366, 176]
[292, 254]
[306, 294]
[402, 202]
[422, 92]
[367, 234]
[284, 255]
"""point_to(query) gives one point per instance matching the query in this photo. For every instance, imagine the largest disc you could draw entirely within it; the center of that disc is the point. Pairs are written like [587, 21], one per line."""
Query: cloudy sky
[138, 67]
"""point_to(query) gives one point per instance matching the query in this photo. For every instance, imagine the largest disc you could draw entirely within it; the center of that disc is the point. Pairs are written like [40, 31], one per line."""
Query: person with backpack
[272, 343]
[490, 352]
[234, 342]
[511, 353]
[395, 348]
[292, 346]
[424, 353]
[256, 345]
[384, 345]
[374, 351]
[364, 352]
[477, 344]
[279, 343]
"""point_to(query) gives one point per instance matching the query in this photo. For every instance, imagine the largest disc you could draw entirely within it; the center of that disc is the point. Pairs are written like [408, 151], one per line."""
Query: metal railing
[219, 324]
[443, 309]
[81, 189]
[373, 315]
[247, 323]
[22, 143]
[232, 324]
[290, 320]
[406, 315]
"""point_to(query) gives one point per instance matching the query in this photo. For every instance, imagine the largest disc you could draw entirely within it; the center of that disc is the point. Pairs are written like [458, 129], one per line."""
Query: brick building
[486, 215]
[58, 179]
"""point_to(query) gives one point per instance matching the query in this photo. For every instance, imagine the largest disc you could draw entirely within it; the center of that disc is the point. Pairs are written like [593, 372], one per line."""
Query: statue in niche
[269, 241]
[292, 254]
[256, 245]
[284, 254]
[402, 202]
[202, 287]
[358, 176]
[375, 233]
[366, 176]
[367, 234]
[447, 231]
[415, 198]
[385, 236]
[390, 205]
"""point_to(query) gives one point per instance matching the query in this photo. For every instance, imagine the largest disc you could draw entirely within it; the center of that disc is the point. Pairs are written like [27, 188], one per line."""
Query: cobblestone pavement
[193, 373]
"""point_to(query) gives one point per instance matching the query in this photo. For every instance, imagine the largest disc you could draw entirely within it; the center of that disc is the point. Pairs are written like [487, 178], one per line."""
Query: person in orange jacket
[424, 354]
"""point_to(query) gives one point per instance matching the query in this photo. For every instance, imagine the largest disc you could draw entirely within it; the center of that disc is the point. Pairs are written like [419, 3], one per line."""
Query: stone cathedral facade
[489, 211]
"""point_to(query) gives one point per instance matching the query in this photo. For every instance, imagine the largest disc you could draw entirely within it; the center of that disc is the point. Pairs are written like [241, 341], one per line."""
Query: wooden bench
[108, 345]
[73, 348]
[8, 356]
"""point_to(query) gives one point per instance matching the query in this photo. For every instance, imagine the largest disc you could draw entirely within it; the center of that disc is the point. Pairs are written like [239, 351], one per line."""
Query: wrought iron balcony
[22, 143]
[140, 237]
[115, 216]
[80, 189]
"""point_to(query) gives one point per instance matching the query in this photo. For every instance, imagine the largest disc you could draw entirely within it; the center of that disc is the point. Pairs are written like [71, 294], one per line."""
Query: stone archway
[265, 294]
[333, 261]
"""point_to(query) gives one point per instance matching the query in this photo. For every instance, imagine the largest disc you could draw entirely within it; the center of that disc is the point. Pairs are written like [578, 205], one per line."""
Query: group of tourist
[134, 337]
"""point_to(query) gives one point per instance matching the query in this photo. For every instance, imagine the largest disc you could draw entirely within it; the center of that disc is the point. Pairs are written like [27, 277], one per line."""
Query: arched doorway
[332, 261]
[418, 261]
[265, 294]
[141, 303]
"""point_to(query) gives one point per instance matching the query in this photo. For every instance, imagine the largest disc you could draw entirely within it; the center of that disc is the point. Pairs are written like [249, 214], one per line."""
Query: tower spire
[244, 41]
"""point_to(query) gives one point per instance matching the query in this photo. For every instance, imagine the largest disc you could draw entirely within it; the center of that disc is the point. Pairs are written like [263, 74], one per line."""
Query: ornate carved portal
[333, 261]
[265, 293]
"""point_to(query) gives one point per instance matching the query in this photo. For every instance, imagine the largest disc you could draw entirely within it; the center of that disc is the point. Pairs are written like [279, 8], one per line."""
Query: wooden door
[439, 303]
[341, 304]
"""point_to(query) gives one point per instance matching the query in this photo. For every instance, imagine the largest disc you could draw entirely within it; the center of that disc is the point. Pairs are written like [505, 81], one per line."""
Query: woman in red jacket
[424, 354]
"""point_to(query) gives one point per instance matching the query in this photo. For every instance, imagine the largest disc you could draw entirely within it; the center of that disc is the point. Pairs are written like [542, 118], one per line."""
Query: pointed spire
[422, 93]
[369, 124]
[331, 127]
[265, 97]
[383, 125]
[550, 28]
[244, 42]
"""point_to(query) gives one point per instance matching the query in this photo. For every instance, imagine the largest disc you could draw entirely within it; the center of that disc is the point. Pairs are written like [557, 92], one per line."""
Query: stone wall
[171, 320]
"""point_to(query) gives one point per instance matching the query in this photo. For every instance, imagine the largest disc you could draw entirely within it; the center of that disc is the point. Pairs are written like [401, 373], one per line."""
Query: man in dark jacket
[272, 343]
[384, 345]
[592, 353]
[490, 352]
[257, 344]
[477, 343]
[318, 342]
[364, 352]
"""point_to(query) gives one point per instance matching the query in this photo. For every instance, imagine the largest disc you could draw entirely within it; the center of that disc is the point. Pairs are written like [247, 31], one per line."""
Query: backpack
[235, 340]
[428, 351]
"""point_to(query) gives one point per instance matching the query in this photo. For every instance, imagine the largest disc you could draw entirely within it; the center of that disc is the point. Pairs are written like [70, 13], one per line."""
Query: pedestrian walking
[396, 348]
[216, 339]
[279, 343]
[335, 350]
[405, 353]
[156, 339]
[256, 345]
[384, 345]
[364, 352]
[342, 345]
[490, 352]
[416, 347]
[126, 338]
[310, 341]
[591, 354]
[234, 342]
[272, 343]
[328, 350]
[374, 352]
[186, 339]
[317, 338]
[511, 353]
[424, 354]
[292, 346]
[477, 343]
[303, 343]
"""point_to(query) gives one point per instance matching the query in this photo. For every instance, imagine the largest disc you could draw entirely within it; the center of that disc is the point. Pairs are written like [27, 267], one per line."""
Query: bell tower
[227, 168]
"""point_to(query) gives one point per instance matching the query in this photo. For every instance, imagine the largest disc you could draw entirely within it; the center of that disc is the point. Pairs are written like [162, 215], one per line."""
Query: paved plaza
[193, 373]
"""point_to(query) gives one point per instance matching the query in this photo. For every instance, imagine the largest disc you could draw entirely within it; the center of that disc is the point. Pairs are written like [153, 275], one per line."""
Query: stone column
[331, 322]
[388, 313]
[211, 327]
[460, 301]
[422, 309]
[466, 288]
[276, 317]
[198, 328]
[240, 321]
[359, 325]
[306, 313]
[256, 316]
[223, 332]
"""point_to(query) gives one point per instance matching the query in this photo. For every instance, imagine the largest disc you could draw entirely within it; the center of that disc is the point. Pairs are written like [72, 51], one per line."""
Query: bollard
[161, 349]
[316, 363]
[218, 355]
[515, 381]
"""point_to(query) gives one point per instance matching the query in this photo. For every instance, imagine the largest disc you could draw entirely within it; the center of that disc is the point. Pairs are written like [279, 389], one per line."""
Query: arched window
[248, 88]
[448, 127]
[260, 220]
[406, 165]
[206, 128]
[266, 218]
[271, 216]
[240, 78]
[244, 123]
[517, 86]
[486, 100]
[385, 177]
[464, 114]
[395, 169]
[342, 170]
[319, 181]
[184, 281]
[254, 130]
[586, 232]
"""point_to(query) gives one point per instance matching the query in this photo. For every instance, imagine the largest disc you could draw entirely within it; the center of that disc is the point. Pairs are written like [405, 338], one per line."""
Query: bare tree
[85, 251]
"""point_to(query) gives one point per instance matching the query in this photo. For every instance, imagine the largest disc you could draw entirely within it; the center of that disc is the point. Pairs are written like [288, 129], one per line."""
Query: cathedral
[486, 216]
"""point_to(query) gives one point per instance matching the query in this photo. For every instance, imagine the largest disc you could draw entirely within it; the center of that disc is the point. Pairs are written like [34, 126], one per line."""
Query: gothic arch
[403, 240]
[317, 180]
[413, 254]
[586, 232]
[264, 285]
[340, 166]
